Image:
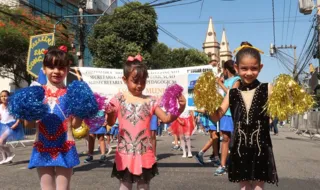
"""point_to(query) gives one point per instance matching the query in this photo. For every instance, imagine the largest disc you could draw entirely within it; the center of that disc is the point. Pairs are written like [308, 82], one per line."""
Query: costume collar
[248, 87]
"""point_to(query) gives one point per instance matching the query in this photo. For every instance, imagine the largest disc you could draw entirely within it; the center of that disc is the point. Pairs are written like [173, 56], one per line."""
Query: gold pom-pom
[287, 99]
[206, 95]
[81, 131]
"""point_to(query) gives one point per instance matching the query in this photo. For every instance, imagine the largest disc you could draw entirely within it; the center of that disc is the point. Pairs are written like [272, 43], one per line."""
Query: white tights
[5, 151]
[255, 185]
[184, 140]
[55, 178]
[128, 186]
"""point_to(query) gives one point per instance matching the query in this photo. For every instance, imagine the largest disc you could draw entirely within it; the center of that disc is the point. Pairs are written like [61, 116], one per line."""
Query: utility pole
[318, 28]
[80, 54]
[273, 50]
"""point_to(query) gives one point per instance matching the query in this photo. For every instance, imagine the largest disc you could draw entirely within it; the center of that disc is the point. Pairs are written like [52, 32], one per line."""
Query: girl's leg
[125, 185]
[142, 186]
[63, 178]
[91, 144]
[4, 137]
[47, 178]
[183, 146]
[245, 185]
[188, 141]
[214, 137]
[102, 144]
[258, 185]
[4, 156]
[225, 148]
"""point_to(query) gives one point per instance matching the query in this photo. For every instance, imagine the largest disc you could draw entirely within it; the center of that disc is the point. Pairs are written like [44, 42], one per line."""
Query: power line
[288, 23]
[201, 8]
[181, 4]
[229, 22]
[284, 10]
[294, 24]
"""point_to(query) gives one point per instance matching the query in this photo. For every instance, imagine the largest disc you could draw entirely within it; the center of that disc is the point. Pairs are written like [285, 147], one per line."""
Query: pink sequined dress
[134, 159]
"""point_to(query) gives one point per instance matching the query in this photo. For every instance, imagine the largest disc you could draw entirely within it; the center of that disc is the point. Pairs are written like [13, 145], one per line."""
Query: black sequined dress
[251, 154]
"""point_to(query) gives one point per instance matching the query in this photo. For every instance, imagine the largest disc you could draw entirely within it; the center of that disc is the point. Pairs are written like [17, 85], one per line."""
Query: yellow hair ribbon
[247, 46]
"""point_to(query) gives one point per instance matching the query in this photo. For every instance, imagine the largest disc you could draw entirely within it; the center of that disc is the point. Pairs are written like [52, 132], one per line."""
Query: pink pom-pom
[100, 100]
[97, 121]
[169, 99]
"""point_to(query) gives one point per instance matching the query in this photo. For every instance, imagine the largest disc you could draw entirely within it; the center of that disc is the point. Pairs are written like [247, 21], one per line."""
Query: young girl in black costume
[251, 159]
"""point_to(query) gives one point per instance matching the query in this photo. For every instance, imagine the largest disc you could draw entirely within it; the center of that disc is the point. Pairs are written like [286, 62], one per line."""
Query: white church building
[219, 52]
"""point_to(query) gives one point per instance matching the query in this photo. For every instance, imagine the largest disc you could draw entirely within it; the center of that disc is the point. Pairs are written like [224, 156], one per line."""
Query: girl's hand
[13, 127]
[182, 101]
[181, 122]
[219, 80]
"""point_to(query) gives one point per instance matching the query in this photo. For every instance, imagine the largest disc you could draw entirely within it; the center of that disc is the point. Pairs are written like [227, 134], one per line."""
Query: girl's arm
[236, 84]
[168, 118]
[269, 89]
[29, 124]
[111, 118]
[15, 125]
[217, 115]
[76, 122]
[224, 88]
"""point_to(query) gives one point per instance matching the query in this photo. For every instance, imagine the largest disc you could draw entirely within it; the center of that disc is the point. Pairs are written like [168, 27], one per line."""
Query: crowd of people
[135, 120]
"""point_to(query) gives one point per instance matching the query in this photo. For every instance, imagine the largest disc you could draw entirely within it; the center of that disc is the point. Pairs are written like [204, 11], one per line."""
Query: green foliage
[16, 27]
[164, 57]
[130, 30]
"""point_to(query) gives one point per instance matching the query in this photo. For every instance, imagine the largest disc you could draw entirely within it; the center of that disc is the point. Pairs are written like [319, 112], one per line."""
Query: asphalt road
[297, 160]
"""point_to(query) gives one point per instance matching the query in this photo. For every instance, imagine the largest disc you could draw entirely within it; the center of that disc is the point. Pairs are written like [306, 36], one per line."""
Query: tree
[16, 27]
[164, 57]
[131, 29]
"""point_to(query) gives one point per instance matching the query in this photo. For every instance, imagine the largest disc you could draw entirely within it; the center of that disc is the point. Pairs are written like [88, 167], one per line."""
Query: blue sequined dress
[54, 144]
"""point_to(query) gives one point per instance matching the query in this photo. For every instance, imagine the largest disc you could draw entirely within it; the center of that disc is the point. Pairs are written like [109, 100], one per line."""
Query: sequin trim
[54, 152]
[61, 129]
[139, 145]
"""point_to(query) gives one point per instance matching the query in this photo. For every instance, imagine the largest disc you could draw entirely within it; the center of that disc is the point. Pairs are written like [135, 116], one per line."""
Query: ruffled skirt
[14, 134]
[185, 129]
[126, 176]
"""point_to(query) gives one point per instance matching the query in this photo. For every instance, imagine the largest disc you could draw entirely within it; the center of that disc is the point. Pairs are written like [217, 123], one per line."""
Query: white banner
[109, 82]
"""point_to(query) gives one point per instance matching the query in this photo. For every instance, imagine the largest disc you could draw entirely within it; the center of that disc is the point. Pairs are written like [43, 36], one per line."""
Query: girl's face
[4, 97]
[248, 69]
[55, 74]
[135, 85]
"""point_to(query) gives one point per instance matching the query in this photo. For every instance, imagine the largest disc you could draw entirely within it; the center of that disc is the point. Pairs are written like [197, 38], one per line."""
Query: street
[297, 160]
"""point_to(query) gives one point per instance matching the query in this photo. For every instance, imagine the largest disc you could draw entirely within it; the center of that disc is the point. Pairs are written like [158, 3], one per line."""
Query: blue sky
[225, 12]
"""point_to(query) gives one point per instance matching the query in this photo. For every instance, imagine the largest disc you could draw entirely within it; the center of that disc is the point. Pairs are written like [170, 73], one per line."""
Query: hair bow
[62, 48]
[137, 57]
[247, 46]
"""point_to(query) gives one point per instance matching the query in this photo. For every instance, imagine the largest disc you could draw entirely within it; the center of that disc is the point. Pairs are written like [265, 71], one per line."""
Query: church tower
[211, 46]
[225, 53]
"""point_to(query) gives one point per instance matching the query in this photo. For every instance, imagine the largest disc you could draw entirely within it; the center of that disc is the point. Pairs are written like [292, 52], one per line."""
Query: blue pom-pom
[81, 100]
[27, 104]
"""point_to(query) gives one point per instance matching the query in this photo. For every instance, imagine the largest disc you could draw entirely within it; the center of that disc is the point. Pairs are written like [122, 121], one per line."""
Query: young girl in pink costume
[134, 159]
[183, 127]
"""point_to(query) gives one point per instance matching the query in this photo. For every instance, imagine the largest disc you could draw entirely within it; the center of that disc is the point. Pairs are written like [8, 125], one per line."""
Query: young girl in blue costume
[54, 109]
[226, 124]
[251, 159]
[10, 129]
[134, 158]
